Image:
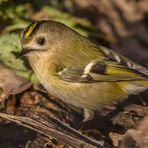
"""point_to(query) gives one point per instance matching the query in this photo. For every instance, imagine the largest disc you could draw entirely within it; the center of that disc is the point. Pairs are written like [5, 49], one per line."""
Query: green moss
[9, 47]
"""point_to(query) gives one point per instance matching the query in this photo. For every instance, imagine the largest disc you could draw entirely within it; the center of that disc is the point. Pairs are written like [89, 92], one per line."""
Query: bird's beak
[23, 52]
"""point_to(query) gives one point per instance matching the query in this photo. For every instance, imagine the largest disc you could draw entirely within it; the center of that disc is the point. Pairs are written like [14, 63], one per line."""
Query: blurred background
[121, 25]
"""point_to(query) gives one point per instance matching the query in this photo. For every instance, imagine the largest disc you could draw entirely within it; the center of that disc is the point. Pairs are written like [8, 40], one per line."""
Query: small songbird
[78, 71]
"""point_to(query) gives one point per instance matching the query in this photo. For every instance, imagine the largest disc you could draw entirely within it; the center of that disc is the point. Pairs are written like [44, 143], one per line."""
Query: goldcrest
[78, 71]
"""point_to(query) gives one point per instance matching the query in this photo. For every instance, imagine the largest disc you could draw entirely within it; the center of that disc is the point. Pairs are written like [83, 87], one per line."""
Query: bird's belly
[86, 95]
[89, 95]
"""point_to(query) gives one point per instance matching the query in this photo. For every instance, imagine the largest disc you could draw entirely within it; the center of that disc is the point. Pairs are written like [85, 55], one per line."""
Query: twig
[53, 128]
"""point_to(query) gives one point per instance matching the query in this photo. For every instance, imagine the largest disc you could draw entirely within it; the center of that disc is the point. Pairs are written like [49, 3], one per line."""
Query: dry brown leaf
[10, 83]
[136, 138]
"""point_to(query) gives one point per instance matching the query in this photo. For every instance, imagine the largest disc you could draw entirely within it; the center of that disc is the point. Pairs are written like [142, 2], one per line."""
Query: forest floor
[124, 124]
[31, 117]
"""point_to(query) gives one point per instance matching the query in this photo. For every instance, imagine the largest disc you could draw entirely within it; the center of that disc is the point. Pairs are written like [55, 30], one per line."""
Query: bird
[76, 70]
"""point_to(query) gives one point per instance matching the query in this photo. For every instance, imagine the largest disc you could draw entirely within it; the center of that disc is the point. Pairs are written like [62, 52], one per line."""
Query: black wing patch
[99, 68]
[94, 72]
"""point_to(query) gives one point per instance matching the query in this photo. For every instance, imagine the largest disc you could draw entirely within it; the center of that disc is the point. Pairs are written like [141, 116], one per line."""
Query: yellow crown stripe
[30, 29]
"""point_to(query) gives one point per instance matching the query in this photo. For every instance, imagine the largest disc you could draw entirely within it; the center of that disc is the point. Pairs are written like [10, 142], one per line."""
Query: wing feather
[113, 68]
[124, 61]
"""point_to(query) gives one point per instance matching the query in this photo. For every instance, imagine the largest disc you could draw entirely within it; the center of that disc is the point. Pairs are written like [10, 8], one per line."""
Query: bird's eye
[41, 41]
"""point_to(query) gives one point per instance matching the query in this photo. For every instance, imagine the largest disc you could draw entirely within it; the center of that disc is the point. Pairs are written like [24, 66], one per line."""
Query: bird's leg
[88, 114]
[142, 100]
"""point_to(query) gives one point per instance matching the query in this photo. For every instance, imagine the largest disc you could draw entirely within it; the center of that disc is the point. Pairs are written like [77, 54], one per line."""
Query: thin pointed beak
[23, 52]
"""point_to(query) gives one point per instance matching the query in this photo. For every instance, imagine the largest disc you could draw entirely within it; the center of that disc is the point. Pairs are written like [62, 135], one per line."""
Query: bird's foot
[88, 115]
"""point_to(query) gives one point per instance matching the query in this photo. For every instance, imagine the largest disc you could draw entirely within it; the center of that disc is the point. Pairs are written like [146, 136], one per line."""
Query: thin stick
[54, 128]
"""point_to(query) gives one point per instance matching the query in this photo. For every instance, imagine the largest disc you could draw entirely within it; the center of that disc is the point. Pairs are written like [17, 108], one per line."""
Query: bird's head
[43, 38]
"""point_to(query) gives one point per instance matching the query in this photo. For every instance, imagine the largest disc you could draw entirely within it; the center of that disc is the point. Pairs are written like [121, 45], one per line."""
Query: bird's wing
[96, 71]
[114, 56]
[113, 68]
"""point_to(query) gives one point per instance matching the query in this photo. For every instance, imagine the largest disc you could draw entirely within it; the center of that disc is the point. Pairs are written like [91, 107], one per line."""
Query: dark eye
[41, 41]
